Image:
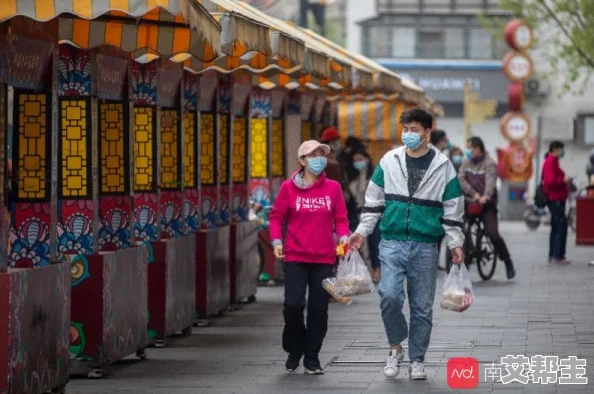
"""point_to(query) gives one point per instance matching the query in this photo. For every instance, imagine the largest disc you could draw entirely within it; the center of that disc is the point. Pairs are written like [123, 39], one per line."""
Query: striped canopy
[164, 27]
[371, 120]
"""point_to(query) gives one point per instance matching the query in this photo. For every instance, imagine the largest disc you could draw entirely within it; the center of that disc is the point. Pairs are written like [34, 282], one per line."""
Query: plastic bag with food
[352, 278]
[457, 292]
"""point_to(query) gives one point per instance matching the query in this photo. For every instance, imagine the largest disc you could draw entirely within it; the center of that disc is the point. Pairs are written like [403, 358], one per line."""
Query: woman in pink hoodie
[312, 208]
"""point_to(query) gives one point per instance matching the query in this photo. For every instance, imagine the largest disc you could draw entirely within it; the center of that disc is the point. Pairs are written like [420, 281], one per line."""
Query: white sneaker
[392, 368]
[417, 371]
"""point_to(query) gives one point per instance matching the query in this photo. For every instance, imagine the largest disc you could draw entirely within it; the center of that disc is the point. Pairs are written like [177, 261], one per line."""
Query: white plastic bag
[457, 292]
[352, 279]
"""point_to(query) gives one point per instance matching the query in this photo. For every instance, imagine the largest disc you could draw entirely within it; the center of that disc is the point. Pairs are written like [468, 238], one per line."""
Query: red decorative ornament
[517, 66]
[519, 35]
[516, 96]
[516, 126]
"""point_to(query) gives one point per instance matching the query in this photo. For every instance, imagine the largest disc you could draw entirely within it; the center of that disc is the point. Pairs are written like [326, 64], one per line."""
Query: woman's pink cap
[310, 146]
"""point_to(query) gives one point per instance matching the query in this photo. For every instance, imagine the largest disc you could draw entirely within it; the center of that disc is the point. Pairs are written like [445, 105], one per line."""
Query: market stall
[75, 174]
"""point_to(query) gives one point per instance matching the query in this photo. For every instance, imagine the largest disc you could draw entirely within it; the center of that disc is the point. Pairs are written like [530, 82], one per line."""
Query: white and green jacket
[436, 207]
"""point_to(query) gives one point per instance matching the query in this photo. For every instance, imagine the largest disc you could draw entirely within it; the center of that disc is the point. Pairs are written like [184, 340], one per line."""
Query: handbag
[540, 197]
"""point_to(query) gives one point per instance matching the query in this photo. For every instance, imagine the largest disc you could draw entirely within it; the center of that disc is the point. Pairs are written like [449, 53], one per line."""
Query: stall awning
[370, 120]
[164, 27]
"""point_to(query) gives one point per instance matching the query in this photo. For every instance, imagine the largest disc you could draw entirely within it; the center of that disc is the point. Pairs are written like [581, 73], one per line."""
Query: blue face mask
[457, 159]
[316, 165]
[449, 146]
[360, 165]
[411, 140]
[468, 153]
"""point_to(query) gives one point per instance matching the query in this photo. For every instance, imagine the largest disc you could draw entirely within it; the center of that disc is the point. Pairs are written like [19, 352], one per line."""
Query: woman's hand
[278, 252]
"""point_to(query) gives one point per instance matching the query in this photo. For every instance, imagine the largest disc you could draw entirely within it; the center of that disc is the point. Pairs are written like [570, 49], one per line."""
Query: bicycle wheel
[486, 257]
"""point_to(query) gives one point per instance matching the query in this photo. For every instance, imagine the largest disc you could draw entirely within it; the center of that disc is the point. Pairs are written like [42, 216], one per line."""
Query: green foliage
[334, 31]
[565, 34]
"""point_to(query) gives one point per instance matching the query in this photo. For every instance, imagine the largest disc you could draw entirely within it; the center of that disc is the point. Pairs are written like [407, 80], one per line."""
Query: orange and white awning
[371, 120]
[163, 27]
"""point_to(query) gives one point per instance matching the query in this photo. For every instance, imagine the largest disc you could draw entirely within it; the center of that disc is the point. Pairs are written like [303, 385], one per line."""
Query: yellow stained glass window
[278, 148]
[207, 149]
[224, 149]
[74, 148]
[32, 146]
[169, 148]
[190, 149]
[259, 148]
[143, 148]
[239, 150]
[113, 163]
[305, 131]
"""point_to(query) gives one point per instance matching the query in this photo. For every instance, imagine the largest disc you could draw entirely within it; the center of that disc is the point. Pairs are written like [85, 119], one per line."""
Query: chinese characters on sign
[537, 369]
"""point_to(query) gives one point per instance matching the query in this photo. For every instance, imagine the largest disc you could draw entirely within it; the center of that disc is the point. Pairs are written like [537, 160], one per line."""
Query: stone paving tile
[546, 310]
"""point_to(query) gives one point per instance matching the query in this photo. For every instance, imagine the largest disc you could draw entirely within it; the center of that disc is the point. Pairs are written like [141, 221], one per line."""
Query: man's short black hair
[556, 145]
[417, 115]
[437, 136]
[477, 142]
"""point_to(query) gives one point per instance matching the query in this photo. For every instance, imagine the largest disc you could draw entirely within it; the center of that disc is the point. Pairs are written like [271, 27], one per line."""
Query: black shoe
[292, 363]
[313, 367]
[509, 268]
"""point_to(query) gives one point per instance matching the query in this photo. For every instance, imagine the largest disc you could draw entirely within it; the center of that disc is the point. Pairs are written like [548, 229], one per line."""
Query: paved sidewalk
[546, 310]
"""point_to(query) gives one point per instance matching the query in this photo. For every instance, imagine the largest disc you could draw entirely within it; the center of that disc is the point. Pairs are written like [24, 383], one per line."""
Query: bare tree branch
[579, 50]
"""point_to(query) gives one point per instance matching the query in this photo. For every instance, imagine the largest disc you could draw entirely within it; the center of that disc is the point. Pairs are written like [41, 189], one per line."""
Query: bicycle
[478, 248]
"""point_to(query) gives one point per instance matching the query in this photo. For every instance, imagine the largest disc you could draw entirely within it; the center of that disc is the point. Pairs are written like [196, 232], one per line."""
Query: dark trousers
[491, 223]
[373, 241]
[558, 238]
[299, 340]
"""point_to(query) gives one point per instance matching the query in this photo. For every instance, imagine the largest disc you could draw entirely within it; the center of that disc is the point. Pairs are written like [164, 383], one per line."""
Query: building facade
[440, 44]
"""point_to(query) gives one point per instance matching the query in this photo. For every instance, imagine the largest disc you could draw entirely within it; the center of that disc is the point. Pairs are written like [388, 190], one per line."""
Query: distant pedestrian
[555, 186]
[456, 157]
[439, 139]
[359, 176]
[334, 169]
[312, 208]
[478, 178]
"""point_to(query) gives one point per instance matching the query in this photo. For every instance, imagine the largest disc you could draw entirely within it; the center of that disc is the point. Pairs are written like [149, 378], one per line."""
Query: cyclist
[478, 178]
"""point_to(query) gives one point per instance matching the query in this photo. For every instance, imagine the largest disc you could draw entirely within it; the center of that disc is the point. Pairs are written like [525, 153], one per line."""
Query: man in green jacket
[416, 193]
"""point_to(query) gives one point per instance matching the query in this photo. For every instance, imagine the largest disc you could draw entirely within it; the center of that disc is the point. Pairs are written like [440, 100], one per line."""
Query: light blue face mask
[316, 165]
[411, 140]
[468, 153]
[360, 165]
[457, 159]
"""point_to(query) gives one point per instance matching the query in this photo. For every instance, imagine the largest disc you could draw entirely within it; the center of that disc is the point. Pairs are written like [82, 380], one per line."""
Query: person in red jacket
[555, 186]
[312, 207]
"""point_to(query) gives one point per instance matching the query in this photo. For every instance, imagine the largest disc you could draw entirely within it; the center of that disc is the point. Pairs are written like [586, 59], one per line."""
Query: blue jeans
[558, 238]
[417, 262]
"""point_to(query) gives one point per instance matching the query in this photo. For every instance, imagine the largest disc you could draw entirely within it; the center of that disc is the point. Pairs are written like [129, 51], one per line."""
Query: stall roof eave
[83, 23]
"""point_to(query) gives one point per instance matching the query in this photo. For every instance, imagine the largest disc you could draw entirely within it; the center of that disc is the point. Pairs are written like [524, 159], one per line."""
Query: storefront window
[404, 40]
[480, 44]
[143, 148]
[75, 148]
[113, 147]
[31, 145]
[207, 149]
[239, 150]
[169, 149]
[190, 149]
[224, 149]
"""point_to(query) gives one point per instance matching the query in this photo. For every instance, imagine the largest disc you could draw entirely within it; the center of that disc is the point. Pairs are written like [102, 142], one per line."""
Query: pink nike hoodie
[312, 214]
